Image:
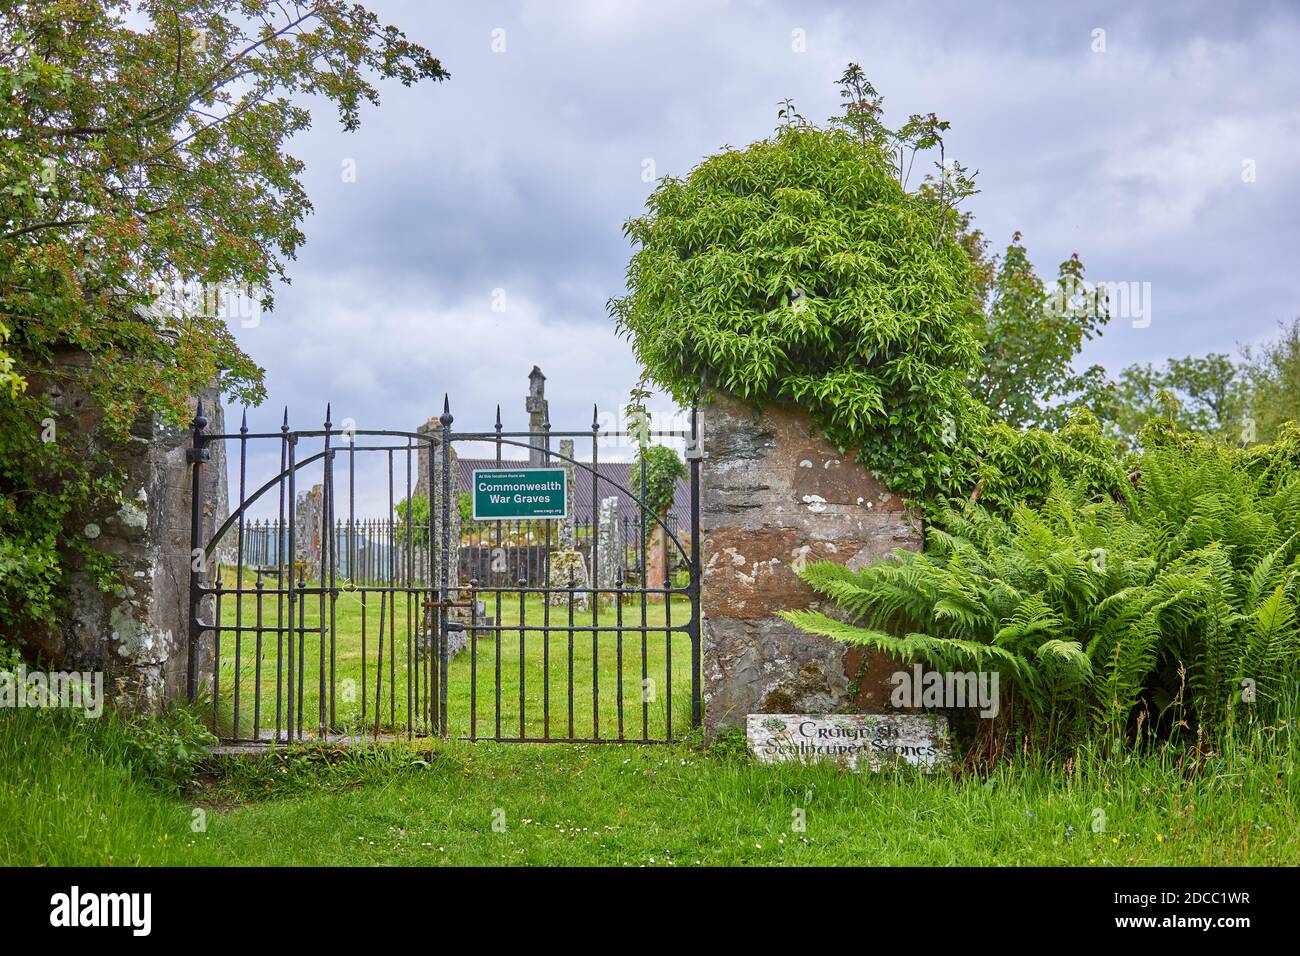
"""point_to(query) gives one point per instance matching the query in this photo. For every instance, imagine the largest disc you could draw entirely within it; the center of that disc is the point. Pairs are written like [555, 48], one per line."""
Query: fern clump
[1170, 612]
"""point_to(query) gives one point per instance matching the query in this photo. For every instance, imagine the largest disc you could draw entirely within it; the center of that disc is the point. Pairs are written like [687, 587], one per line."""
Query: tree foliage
[1205, 394]
[1031, 339]
[1272, 378]
[663, 468]
[143, 150]
[800, 270]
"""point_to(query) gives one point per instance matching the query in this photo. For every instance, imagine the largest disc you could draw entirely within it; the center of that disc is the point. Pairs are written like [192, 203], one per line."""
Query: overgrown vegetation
[663, 468]
[1030, 338]
[144, 188]
[801, 269]
[1170, 612]
[1129, 584]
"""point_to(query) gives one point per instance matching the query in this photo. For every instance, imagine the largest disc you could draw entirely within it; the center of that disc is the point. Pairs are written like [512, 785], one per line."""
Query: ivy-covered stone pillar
[774, 494]
[131, 626]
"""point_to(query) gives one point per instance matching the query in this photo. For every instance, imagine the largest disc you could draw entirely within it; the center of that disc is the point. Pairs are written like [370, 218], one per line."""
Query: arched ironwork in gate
[321, 621]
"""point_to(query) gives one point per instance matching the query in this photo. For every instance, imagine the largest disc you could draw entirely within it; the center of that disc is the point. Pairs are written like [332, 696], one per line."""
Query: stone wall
[774, 494]
[137, 632]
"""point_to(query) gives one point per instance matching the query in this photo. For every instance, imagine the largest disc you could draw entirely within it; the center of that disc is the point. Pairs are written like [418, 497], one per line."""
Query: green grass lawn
[74, 796]
[573, 685]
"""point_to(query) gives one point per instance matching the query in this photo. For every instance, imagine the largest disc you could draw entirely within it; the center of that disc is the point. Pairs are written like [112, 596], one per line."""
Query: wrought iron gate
[325, 623]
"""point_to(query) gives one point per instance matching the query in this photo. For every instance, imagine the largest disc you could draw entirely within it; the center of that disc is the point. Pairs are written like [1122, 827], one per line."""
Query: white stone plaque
[857, 741]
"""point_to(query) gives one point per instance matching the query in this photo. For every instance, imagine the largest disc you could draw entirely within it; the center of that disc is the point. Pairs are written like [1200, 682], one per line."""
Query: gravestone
[609, 541]
[856, 741]
[774, 495]
[308, 546]
[568, 538]
[568, 567]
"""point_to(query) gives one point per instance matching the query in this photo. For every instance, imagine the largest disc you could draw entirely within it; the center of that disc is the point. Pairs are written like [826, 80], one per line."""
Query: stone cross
[538, 416]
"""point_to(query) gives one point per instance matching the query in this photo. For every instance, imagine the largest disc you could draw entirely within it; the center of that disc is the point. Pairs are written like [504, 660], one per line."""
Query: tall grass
[78, 793]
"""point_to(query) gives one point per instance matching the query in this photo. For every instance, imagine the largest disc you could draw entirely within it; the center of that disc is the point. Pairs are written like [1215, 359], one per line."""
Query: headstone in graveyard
[308, 514]
[609, 542]
[856, 741]
[568, 567]
[568, 538]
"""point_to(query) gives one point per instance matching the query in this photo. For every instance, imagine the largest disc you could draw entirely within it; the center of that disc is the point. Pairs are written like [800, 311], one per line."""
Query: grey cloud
[519, 172]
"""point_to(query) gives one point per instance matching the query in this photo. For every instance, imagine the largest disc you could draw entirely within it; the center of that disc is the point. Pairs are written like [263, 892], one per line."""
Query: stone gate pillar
[136, 632]
[773, 495]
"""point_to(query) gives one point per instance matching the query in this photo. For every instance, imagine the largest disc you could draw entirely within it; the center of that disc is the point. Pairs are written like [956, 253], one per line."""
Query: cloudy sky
[482, 232]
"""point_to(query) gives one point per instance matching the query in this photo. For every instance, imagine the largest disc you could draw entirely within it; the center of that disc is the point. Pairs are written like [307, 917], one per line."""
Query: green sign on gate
[519, 493]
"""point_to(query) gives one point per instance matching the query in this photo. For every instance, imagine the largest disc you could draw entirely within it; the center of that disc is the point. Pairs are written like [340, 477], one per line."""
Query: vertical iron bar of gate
[645, 583]
[618, 634]
[334, 562]
[257, 666]
[430, 669]
[593, 536]
[444, 576]
[325, 530]
[197, 557]
[216, 652]
[239, 573]
[546, 591]
[279, 581]
[694, 456]
[496, 633]
[668, 646]
[408, 560]
[352, 559]
[289, 568]
[388, 529]
[523, 583]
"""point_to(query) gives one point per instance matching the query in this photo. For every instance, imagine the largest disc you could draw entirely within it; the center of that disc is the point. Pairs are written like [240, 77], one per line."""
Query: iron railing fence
[379, 551]
[313, 625]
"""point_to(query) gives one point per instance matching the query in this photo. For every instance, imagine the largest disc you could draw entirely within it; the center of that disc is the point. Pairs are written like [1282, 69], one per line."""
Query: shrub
[662, 469]
[800, 270]
[1108, 619]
